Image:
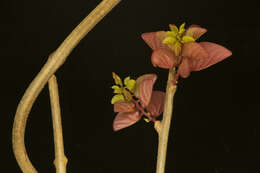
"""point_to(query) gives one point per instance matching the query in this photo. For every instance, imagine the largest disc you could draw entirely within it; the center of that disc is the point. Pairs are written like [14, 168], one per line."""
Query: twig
[164, 127]
[54, 62]
[60, 161]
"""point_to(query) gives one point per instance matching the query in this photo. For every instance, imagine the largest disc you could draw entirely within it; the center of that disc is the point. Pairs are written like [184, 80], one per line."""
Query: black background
[215, 123]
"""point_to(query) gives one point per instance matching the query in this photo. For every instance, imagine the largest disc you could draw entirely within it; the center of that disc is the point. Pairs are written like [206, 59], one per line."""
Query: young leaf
[194, 50]
[169, 40]
[117, 98]
[182, 29]
[174, 29]
[187, 39]
[164, 58]
[128, 96]
[129, 83]
[125, 119]
[117, 79]
[177, 48]
[184, 68]
[144, 88]
[154, 39]
[156, 104]
[117, 89]
[124, 107]
[195, 31]
[216, 54]
[171, 34]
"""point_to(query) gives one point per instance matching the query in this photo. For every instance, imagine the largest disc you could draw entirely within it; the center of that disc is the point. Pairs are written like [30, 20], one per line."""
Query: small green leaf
[117, 98]
[171, 33]
[117, 89]
[182, 28]
[177, 48]
[187, 39]
[126, 80]
[174, 28]
[129, 83]
[169, 40]
[128, 95]
[117, 79]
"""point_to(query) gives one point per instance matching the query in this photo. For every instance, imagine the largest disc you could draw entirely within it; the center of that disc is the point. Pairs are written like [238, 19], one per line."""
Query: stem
[164, 127]
[141, 109]
[60, 161]
[55, 60]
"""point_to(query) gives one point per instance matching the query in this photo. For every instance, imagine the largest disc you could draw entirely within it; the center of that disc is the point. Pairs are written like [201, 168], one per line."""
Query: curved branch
[55, 60]
[60, 161]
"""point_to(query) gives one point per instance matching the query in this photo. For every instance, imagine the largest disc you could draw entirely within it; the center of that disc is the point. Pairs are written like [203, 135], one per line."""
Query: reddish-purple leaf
[184, 68]
[144, 87]
[154, 39]
[125, 119]
[164, 58]
[156, 104]
[195, 31]
[124, 107]
[194, 50]
[216, 53]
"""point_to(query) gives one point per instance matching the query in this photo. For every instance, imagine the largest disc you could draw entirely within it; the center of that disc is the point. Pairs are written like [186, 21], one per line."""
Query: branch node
[157, 126]
[55, 60]
[62, 159]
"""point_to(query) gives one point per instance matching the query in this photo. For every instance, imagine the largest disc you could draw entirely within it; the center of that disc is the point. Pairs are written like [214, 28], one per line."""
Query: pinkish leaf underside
[216, 53]
[124, 107]
[156, 104]
[195, 31]
[125, 119]
[154, 39]
[194, 50]
[164, 58]
[184, 68]
[144, 88]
